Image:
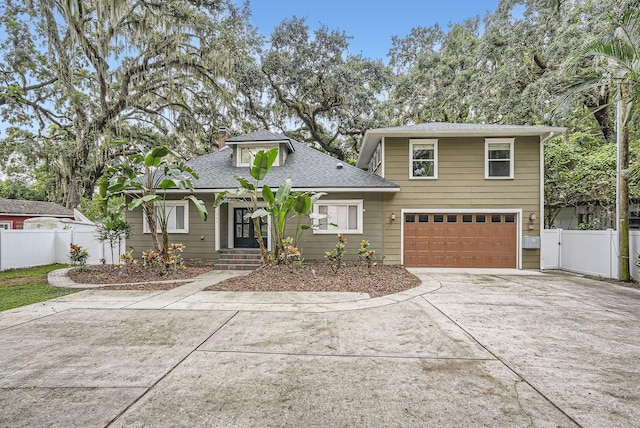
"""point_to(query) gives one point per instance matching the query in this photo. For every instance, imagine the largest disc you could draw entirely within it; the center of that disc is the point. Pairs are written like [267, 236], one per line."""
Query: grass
[20, 287]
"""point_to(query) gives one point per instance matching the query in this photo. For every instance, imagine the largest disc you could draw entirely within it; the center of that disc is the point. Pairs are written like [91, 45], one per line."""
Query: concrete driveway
[463, 349]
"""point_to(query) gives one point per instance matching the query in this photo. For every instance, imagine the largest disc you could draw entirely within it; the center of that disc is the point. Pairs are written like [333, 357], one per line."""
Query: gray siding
[195, 247]
[313, 246]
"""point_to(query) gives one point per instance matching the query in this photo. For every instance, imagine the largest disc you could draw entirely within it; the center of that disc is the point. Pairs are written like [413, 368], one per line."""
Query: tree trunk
[623, 197]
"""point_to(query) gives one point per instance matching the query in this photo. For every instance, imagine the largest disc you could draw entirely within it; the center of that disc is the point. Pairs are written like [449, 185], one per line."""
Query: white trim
[384, 149]
[7, 223]
[216, 228]
[511, 142]
[332, 231]
[169, 207]
[431, 141]
[257, 147]
[517, 211]
[231, 222]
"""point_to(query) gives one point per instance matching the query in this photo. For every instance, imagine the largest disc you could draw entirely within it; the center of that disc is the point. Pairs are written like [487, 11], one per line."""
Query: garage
[472, 240]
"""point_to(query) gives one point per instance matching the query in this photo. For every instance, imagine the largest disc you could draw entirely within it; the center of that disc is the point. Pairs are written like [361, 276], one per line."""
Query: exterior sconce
[532, 218]
[392, 217]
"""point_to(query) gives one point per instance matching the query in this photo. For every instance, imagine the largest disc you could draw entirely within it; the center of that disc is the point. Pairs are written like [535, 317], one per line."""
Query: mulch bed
[380, 281]
[107, 274]
[311, 276]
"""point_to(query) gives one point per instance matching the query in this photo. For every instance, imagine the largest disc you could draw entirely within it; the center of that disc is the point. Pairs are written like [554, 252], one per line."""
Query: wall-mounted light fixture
[532, 218]
[392, 217]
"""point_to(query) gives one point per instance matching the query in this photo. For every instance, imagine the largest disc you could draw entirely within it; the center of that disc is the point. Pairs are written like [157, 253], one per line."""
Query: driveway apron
[463, 349]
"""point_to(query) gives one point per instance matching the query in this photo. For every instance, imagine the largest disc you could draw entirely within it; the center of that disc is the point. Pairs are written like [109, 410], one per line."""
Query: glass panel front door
[245, 235]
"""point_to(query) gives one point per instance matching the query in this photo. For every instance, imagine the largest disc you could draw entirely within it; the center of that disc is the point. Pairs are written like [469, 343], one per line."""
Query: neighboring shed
[13, 212]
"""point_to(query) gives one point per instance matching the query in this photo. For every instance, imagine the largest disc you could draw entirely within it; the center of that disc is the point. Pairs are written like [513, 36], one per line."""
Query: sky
[371, 24]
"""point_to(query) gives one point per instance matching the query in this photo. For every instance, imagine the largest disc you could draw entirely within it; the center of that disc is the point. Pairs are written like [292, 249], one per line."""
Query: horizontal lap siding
[195, 248]
[461, 184]
[313, 246]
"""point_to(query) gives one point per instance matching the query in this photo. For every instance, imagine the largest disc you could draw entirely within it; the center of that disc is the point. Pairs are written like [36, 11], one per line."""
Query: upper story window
[498, 158]
[177, 217]
[246, 154]
[376, 159]
[423, 158]
[6, 225]
[342, 216]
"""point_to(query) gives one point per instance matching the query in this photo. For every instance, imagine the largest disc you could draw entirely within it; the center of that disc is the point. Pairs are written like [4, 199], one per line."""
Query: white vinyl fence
[590, 252]
[24, 248]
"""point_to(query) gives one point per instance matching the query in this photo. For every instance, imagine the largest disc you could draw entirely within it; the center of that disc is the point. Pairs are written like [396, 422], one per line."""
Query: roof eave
[374, 136]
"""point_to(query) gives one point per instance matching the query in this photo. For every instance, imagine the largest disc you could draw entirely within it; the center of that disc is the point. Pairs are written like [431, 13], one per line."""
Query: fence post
[559, 239]
[1, 250]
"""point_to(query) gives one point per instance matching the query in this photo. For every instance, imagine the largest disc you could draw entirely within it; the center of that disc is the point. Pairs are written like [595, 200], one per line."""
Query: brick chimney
[223, 134]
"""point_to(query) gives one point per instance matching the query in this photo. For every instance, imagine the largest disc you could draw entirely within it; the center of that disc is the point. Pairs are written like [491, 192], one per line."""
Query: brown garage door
[460, 240]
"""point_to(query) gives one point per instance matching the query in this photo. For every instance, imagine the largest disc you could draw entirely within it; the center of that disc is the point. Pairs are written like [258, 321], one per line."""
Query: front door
[245, 235]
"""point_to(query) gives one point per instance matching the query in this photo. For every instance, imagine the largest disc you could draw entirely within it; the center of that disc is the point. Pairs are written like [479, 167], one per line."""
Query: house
[13, 212]
[436, 194]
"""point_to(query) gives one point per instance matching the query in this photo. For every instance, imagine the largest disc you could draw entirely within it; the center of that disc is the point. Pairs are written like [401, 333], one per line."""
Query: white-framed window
[246, 154]
[423, 159]
[498, 158]
[376, 159]
[178, 217]
[342, 216]
[6, 225]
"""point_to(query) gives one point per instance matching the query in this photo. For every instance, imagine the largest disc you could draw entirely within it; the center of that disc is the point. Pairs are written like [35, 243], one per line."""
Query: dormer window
[247, 153]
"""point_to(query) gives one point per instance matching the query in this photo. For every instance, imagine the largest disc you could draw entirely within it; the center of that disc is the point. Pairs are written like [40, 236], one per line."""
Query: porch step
[239, 259]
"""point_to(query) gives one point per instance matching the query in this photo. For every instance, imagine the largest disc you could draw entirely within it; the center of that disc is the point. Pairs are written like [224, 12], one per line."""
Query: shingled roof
[308, 169]
[35, 208]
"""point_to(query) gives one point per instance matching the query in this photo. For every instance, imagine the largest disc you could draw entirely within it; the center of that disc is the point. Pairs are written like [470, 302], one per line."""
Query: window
[410, 218]
[499, 158]
[6, 225]
[178, 217]
[481, 218]
[246, 154]
[467, 218]
[438, 218]
[509, 218]
[496, 218]
[376, 159]
[342, 216]
[423, 158]
[423, 218]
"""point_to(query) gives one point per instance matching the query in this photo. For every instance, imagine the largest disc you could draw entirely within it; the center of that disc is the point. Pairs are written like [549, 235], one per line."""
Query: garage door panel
[461, 240]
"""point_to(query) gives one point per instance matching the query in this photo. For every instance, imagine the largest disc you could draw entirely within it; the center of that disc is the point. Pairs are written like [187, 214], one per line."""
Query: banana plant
[279, 206]
[146, 176]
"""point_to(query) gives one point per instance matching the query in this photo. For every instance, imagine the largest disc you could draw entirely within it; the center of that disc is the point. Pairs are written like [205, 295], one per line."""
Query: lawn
[20, 287]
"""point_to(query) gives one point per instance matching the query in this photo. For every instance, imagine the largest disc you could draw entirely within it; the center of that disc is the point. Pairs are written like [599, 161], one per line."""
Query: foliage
[175, 260]
[147, 175]
[151, 258]
[366, 256]
[615, 66]
[20, 287]
[76, 75]
[335, 257]
[329, 95]
[279, 206]
[78, 255]
[128, 260]
[114, 229]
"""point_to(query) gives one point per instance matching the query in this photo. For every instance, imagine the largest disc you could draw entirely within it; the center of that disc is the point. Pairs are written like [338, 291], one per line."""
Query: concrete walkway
[487, 348]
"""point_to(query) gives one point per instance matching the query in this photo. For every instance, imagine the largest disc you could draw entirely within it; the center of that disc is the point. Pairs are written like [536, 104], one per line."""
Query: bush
[78, 256]
[334, 258]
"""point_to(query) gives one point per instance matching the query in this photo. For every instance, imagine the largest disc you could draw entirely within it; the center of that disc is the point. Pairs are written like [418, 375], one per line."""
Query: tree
[329, 95]
[108, 70]
[146, 176]
[618, 69]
